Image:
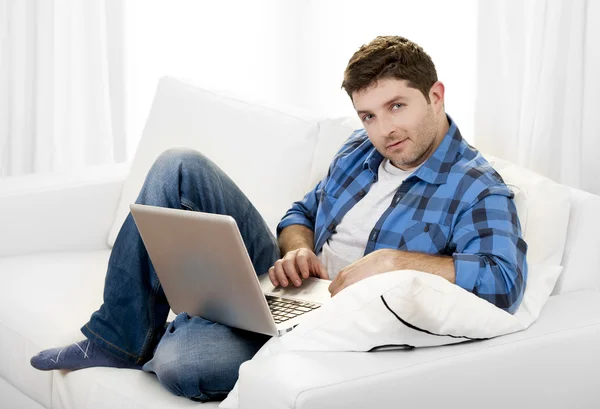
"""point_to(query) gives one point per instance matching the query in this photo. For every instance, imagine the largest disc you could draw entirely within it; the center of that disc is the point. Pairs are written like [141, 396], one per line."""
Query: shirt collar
[436, 168]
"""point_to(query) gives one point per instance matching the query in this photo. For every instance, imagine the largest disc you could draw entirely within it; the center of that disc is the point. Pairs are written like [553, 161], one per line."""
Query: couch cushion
[11, 397]
[44, 300]
[333, 132]
[116, 388]
[581, 257]
[268, 152]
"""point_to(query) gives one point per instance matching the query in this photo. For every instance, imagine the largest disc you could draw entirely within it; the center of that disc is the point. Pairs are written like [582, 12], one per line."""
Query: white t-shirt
[350, 240]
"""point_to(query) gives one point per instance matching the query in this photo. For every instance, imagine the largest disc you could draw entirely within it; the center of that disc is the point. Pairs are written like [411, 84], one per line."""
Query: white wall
[291, 52]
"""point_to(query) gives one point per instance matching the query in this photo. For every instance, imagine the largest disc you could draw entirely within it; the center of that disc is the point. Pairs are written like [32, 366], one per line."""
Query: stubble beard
[423, 142]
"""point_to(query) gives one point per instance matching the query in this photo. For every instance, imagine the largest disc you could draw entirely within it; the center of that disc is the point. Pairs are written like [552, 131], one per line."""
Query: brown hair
[390, 57]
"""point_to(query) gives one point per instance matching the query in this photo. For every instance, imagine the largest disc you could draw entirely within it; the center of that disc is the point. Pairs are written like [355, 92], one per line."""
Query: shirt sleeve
[303, 211]
[489, 256]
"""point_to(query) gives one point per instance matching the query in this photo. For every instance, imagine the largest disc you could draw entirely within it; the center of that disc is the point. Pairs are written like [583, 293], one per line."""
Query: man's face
[399, 122]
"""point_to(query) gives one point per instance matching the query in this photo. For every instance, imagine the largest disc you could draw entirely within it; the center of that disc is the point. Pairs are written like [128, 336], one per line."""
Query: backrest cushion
[333, 132]
[581, 258]
[267, 152]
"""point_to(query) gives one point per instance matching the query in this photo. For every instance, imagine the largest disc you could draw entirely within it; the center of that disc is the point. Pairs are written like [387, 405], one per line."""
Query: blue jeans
[191, 357]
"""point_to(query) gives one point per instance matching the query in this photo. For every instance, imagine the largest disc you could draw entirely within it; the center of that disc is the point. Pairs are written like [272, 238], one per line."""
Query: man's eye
[367, 118]
[398, 106]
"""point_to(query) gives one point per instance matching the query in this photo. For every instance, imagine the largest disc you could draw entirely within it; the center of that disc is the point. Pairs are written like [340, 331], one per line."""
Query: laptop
[205, 270]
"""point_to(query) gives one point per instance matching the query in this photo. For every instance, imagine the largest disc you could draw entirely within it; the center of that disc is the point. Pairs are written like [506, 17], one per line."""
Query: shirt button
[374, 236]
[426, 229]
[362, 193]
[331, 226]
[397, 200]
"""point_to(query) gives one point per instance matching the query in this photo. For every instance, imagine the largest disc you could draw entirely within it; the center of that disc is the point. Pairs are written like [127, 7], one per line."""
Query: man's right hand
[296, 265]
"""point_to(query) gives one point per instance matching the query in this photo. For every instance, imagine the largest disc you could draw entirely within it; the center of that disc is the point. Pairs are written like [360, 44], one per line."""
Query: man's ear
[436, 96]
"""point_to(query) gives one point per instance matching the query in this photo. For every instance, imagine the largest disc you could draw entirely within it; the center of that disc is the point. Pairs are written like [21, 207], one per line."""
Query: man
[405, 192]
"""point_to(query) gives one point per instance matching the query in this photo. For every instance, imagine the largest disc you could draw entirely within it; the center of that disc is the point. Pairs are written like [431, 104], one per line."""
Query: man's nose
[386, 127]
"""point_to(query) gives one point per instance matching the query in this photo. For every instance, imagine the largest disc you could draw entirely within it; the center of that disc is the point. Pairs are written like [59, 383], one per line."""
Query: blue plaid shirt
[455, 204]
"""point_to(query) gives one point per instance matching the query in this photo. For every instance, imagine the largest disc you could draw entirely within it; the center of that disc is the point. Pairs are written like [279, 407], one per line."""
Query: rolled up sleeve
[489, 252]
[303, 211]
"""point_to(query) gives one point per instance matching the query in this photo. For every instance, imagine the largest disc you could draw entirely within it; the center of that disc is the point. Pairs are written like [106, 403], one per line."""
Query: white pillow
[267, 152]
[408, 309]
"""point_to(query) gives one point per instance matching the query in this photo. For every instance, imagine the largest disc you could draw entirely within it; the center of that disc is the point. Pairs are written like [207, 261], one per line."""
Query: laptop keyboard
[284, 309]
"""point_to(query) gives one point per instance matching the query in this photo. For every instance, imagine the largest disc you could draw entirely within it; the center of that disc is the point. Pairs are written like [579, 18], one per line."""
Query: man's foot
[82, 354]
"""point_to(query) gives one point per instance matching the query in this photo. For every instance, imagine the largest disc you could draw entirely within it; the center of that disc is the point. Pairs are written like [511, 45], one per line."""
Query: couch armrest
[552, 364]
[59, 211]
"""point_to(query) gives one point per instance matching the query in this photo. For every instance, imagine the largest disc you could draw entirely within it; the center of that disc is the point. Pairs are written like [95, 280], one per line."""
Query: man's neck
[443, 127]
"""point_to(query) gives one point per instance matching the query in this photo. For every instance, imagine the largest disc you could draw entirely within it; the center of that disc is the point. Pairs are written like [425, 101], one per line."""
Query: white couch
[55, 236]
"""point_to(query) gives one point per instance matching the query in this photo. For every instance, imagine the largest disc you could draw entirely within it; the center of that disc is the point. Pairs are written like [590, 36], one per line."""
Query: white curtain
[67, 65]
[61, 85]
[538, 85]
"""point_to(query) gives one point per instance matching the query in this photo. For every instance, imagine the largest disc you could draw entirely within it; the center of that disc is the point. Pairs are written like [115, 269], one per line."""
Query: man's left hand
[377, 262]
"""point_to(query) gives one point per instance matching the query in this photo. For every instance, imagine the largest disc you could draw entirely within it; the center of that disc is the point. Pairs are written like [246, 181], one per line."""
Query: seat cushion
[44, 300]
[116, 388]
[11, 397]
[267, 152]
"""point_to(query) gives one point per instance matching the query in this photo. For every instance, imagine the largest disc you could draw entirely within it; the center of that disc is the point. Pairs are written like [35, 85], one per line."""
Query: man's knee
[191, 377]
[199, 359]
[174, 158]
[186, 378]
[171, 165]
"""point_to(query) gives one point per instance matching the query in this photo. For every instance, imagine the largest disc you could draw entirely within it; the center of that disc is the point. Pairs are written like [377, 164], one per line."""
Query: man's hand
[297, 264]
[373, 263]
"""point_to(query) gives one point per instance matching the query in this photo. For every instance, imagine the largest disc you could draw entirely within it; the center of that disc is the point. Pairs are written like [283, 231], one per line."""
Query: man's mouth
[396, 144]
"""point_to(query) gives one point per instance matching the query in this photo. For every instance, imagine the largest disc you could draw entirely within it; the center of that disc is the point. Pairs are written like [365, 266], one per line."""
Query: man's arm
[489, 252]
[442, 266]
[304, 212]
[384, 260]
[294, 237]
[296, 230]
[296, 243]
[488, 256]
